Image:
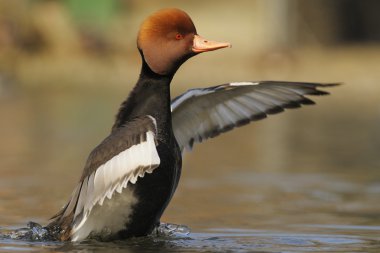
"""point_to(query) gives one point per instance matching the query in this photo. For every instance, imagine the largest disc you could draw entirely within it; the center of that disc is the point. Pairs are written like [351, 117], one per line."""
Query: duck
[131, 176]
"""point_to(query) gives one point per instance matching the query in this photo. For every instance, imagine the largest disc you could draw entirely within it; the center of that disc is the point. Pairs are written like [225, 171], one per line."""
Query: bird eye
[178, 36]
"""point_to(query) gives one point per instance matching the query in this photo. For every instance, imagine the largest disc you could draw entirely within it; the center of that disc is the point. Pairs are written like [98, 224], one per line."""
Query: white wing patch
[243, 83]
[113, 176]
[189, 94]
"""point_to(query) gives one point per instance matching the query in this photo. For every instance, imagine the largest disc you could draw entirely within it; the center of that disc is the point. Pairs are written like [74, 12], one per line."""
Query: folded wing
[199, 114]
[124, 156]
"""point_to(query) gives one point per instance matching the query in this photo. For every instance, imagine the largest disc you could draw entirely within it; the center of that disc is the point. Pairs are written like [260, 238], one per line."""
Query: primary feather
[199, 114]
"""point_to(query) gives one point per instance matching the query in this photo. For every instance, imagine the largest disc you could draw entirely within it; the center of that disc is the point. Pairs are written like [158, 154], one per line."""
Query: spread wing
[199, 114]
[124, 156]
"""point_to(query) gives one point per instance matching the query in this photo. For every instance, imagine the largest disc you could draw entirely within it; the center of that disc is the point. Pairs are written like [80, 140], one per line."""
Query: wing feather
[123, 157]
[199, 114]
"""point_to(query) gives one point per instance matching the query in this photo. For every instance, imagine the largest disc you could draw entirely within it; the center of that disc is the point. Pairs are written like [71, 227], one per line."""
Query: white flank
[111, 177]
[107, 219]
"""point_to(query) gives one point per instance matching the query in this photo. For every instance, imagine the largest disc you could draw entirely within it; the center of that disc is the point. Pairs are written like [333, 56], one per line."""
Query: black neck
[150, 96]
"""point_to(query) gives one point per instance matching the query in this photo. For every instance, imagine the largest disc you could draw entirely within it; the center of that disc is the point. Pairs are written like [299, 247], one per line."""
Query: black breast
[151, 96]
[154, 191]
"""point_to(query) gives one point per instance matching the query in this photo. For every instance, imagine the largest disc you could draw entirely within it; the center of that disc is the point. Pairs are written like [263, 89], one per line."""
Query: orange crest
[161, 23]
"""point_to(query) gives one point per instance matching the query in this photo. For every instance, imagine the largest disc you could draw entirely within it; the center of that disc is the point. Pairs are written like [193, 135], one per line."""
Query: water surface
[287, 184]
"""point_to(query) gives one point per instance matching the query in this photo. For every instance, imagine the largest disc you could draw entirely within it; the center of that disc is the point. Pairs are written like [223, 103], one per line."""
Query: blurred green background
[65, 66]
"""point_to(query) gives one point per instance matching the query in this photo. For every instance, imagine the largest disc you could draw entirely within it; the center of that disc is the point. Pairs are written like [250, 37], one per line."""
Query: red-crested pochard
[131, 176]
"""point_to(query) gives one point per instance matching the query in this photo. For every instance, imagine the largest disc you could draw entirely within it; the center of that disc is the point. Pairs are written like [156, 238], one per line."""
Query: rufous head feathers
[168, 38]
[168, 22]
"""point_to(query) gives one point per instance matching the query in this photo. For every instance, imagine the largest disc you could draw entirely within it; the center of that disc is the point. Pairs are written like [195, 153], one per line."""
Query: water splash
[169, 229]
[37, 233]
[33, 232]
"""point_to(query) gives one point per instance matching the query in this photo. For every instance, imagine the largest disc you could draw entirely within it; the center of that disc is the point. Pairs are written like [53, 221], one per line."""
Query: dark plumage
[131, 176]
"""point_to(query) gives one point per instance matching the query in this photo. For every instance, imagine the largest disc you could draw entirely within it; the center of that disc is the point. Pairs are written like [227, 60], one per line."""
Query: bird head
[168, 38]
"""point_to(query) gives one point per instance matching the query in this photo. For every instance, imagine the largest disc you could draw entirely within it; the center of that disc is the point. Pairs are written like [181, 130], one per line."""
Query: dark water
[305, 181]
[227, 240]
